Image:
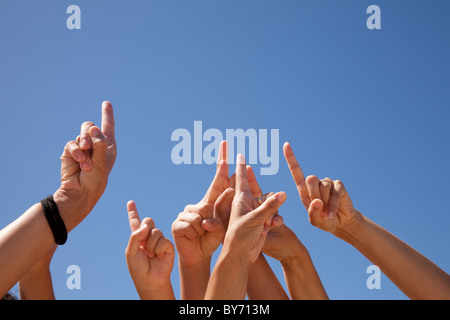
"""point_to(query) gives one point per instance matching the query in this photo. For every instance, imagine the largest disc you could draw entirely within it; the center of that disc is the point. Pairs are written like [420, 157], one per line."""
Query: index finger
[223, 152]
[296, 171]
[133, 216]
[241, 174]
[215, 189]
[108, 124]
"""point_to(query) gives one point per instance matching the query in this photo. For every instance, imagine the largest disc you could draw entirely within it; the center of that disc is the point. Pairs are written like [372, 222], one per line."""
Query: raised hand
[250, 221]
[85, 166]
[199, 230]
[150, 257]
[330, 208]
[328, 203]
[243, 240]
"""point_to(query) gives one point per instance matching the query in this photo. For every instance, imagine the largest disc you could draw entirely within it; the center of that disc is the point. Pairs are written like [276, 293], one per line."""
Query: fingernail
[330, 215]
[240, 159]
[281, 196]
[84, 143]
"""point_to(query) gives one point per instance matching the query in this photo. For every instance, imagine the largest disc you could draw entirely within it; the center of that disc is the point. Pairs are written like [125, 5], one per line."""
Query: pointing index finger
[223, 152]
[241, 174]
[133, 216]
[108, 124]
[296, 171]
[215, 189]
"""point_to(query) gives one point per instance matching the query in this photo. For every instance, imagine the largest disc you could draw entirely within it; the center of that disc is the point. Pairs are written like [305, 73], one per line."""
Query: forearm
[262, 283]
[228, 279]
[194, 280]
[302, 279]
[22, 244]
[410, 271]
[37, 286]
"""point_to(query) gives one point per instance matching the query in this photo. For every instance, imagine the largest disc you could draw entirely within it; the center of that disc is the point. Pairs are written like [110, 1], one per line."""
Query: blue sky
[368, 107]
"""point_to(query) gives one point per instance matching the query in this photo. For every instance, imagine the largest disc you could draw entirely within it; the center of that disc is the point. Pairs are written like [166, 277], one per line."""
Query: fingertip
[240, 159]
[106, 104]
[281, 196]
[277, 221]
[317, 204]
[131, 205]
[286, 147]
[96, 132]
[206, 224]
[85, 143]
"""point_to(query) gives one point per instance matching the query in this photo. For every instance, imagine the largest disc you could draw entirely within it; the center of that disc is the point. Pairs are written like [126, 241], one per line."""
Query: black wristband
[55, 221]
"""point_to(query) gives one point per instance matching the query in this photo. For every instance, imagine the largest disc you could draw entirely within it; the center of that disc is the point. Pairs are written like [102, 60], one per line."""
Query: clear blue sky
[368, 107]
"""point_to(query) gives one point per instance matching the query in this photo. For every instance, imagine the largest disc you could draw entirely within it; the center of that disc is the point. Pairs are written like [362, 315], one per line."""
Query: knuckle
[339, 183]
[149, 221]
[325, 184]
[87, 124]
[311, 179]
[157, 232]
[189, 208]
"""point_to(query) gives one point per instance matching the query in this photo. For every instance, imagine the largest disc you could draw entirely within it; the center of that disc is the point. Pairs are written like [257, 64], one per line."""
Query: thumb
[136, 238]
[315, 212]
[213, 225]
[99, 146]
[268, 208]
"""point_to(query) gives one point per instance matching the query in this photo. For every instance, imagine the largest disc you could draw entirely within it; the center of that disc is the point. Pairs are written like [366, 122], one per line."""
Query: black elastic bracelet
[55, 221]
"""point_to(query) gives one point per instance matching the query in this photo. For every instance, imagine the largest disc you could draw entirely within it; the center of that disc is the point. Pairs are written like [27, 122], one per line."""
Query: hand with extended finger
[328, 203]
[248, 228]
[150, 257]
[85, 166]
[197, 233]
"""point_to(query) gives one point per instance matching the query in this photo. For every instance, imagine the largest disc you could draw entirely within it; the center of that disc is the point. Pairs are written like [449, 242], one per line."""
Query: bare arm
[414, 274]
[331, 209]
[263, 283]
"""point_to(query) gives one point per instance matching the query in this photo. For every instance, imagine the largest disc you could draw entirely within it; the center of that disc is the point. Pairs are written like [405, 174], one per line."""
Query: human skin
[84, 176]
[262, 282]
[150, 257]
[282, 244]
[330, 208]
[199, 230]
[244, 239]
[37, 282]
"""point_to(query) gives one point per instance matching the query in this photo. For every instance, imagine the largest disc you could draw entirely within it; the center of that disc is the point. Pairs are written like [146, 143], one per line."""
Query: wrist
[300, 259]
[72, 206]
[201, 264]
[354, 230]
[229, 254]
[162, 291]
